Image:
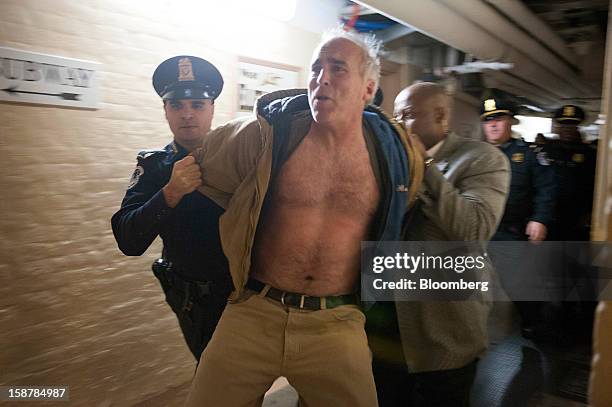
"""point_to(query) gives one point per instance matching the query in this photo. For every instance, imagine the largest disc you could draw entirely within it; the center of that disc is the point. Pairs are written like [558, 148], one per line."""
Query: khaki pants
[323, 354]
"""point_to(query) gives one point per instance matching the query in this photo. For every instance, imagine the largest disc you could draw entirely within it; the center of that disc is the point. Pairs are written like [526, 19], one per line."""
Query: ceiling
[573, 20]
[544, 53]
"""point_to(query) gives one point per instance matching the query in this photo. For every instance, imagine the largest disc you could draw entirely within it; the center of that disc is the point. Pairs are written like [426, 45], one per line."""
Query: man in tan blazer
[462, 199]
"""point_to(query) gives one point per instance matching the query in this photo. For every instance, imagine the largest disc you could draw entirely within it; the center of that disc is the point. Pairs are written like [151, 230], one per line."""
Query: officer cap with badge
[179, 77]
[494, 105]
[187, 77]
[569, 114]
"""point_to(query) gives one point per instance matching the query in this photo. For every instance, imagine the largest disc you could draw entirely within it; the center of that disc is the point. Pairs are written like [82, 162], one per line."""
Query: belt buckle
[299, 306]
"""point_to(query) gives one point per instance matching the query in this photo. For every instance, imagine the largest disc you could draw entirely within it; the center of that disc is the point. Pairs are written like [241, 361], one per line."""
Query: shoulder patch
[138, 171]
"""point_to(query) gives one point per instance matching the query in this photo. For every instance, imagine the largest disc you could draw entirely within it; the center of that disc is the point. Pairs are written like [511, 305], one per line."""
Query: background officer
[574, 162]
[161, 200]
[530, 205]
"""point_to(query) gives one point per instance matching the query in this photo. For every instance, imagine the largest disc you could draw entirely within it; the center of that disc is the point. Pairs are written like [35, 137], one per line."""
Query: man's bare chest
[314, 177]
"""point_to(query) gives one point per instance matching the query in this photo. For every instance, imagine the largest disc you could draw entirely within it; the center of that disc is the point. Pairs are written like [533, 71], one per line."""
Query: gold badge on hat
[569, 111]
[185, 70]
[518, 157]
[578, 158]
[489, 105]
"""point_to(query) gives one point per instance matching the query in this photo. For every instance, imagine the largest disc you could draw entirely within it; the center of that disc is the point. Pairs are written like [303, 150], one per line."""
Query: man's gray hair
[368, 43]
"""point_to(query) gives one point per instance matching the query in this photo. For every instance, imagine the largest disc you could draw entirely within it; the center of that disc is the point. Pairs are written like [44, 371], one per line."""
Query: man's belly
[313, 253]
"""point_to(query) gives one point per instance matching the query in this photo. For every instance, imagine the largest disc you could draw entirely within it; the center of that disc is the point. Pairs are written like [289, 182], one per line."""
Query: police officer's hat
[569, 114]
[187, 77]
[494, 105]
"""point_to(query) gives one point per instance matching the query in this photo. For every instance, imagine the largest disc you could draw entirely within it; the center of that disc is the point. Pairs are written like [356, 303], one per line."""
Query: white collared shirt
[435, 148]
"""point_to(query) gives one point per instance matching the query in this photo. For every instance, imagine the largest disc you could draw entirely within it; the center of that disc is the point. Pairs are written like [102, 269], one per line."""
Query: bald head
[425, 109]
[420, 93]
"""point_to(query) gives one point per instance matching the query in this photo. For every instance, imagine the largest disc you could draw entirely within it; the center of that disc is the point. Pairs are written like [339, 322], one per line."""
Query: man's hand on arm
[536, 231]
[185, 178]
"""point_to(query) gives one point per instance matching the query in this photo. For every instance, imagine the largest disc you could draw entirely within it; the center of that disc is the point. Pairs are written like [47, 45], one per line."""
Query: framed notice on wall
[256, 78]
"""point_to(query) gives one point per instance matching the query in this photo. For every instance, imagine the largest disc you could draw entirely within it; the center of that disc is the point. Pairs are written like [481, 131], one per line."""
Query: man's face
[498, 130]
[421, 116]
[568, 133]
[189, 120]
[337, 88]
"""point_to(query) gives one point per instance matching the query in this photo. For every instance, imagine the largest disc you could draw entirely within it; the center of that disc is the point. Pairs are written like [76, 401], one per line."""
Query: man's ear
[370, 90]
[440, 114]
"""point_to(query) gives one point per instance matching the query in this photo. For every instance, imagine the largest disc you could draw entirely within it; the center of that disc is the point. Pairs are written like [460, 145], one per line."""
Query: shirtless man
[303, 184]
[326, 195]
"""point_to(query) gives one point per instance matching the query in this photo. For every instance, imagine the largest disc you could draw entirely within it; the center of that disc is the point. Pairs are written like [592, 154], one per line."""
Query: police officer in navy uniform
[574, 162]
[530, 206]
[161, 200]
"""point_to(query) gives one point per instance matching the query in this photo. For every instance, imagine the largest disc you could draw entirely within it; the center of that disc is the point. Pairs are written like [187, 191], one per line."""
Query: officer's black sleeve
[544, 186]
[143, 210]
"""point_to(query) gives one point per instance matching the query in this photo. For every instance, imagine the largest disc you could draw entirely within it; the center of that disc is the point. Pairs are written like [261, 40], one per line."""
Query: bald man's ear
[440, 114]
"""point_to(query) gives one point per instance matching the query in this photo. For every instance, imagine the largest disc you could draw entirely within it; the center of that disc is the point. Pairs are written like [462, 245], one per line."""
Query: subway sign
[29, 77]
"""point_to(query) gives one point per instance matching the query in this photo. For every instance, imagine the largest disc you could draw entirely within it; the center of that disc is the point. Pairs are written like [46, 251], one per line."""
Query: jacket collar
[451, 143]
[276, 103]
[279, 94]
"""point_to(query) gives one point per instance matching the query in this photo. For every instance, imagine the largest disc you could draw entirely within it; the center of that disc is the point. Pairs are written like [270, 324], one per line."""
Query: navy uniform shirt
[532, 188]
[190, 231]
[574, 165]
